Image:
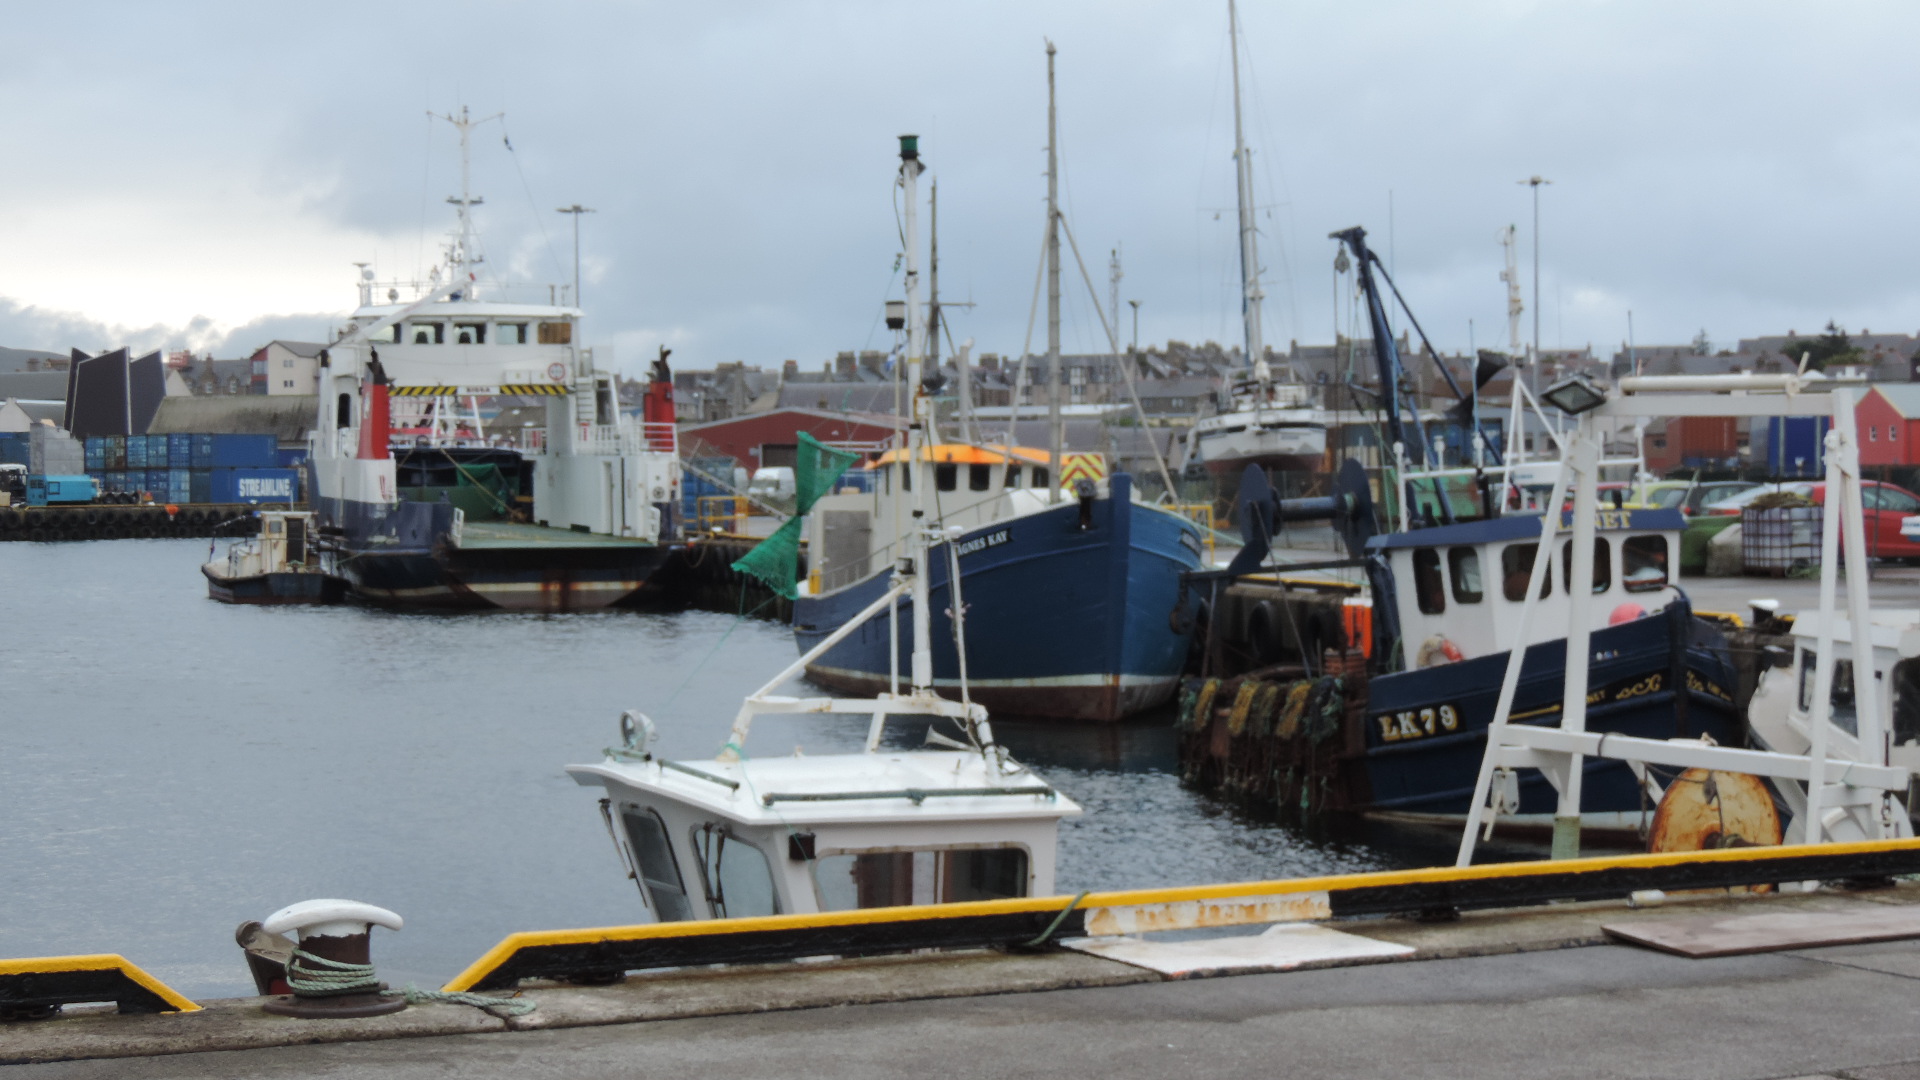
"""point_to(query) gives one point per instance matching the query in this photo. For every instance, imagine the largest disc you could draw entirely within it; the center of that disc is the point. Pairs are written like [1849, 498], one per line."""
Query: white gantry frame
[1854, 792]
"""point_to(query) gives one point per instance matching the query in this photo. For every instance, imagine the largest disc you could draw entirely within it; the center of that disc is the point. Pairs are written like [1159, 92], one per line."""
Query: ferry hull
[404, 558]
[1061, 621]
[1417, 763]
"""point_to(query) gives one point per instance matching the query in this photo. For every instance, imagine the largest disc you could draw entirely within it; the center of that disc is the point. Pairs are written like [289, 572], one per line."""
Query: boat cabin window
[343, 412]
[979, 477]
[906, 476]
[510, 333]
[946, 477]
[1013, 476]
[427, 333]
[1465, 564]
[1428, 587]
[556, 333]
[1906, 702]
[898, 878]
[1602, 565]
[388, 336]
[1845, 717]
[1516, 566]
[1643, 563]
[738, 880]
[659, 873]
[470, 333]
[1040, 479]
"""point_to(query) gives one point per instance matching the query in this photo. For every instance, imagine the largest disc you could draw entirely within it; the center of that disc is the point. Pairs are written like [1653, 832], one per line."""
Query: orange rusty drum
[1704, 811]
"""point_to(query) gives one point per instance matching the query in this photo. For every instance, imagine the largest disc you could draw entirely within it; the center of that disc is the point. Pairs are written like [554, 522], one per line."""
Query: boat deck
[480, 535]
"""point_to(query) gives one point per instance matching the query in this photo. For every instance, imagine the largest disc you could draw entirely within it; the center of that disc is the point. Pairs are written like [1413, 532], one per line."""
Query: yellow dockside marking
[99, 962]
[513, 943]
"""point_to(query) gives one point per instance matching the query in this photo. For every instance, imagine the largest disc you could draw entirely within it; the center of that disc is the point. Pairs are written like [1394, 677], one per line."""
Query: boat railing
[723, 513]
[1200, 514]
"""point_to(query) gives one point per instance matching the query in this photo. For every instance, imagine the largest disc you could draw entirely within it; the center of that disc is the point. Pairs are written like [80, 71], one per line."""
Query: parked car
[1688, 496]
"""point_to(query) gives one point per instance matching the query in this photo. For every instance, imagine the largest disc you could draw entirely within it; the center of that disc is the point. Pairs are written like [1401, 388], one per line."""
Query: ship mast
[1056, 430]
[463, 253]
[1250, 294]
[919, 417]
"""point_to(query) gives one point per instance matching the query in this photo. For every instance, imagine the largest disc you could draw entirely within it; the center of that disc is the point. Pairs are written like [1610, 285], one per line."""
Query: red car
[1882, 506]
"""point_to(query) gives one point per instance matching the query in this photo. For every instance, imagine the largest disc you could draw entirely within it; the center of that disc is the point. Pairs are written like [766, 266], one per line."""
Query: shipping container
[116, 458]
[1796, 446]
[179, 451]
[255, 485]
[244, 452]
[290, 457]
[202, 453]
[200, 486]
[136, 453]
[14, 448]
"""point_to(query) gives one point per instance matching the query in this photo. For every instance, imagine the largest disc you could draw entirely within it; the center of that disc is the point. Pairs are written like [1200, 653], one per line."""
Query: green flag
[776, 560]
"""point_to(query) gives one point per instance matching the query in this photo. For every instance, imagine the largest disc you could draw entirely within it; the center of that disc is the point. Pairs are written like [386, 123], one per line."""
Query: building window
[1873, 433]
[1893, 433]
[287, 363]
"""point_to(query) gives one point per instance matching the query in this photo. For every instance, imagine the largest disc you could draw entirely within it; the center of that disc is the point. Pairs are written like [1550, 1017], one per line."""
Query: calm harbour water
[171, 766]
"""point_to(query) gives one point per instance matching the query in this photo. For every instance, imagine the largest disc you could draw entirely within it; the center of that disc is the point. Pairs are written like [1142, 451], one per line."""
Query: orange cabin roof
[967, 454]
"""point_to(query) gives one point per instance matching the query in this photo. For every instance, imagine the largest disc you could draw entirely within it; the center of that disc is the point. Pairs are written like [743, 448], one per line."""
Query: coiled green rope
[318, 977]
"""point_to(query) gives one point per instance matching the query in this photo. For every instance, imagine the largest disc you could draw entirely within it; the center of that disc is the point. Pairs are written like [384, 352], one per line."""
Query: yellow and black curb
[42, 984]
[607, 952]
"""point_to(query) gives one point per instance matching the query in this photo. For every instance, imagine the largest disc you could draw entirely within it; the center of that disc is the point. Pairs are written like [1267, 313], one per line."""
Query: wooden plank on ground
[1701, 936]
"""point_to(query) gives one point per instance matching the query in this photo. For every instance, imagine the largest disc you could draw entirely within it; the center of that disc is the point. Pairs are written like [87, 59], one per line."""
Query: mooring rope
[318, 977]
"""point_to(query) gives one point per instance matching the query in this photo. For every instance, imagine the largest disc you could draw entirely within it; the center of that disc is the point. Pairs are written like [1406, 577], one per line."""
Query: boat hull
[1061, 621]
[282, 587]
[406, 558]
[1426, 729]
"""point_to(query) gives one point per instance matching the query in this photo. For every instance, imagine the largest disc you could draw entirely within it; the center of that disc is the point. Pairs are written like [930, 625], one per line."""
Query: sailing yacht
[1268, 421]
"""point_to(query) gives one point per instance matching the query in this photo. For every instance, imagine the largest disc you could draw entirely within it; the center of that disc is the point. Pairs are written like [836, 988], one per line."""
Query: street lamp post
[576, 210]
[1135, 305]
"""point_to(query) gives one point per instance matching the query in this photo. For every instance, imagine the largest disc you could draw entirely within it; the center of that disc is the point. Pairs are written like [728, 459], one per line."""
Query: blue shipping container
[179, 451]
[1796, 446]
[136, 452]
[290, 457]
[14, 448]
[156, 451]
[254, 485]
[201, 456]
[244, 452]
[200, 486]
[95, 450]
[156, 482]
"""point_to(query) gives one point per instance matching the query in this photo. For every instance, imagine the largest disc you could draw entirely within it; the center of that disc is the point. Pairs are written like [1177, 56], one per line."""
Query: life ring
[1438, 650]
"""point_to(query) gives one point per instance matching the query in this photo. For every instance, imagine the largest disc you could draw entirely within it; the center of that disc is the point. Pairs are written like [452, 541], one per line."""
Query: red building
[1889, 421]
[770, 438]
[1692, 442]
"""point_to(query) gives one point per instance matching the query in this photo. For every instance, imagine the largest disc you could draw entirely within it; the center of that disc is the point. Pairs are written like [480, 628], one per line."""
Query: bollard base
[346, 1006]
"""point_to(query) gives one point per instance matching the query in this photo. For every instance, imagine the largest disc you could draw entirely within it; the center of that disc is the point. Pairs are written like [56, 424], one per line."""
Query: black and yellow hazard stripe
[47, 982]
[518, 389]
[612, 950]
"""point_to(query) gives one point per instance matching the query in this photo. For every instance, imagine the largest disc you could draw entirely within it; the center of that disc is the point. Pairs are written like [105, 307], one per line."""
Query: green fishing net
[776, 560]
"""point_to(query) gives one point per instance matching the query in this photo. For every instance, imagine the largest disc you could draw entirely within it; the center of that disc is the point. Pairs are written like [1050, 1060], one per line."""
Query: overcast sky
[206, 174]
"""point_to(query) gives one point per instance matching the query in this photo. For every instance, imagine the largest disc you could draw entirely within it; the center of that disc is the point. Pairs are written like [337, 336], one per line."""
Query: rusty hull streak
[1194, 914]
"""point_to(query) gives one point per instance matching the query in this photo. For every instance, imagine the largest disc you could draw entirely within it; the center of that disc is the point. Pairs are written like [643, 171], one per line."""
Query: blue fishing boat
[1074, 607]
[1451, 595]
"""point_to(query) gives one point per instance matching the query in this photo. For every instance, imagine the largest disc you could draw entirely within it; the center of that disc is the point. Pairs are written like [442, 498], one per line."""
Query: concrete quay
[1536, 992]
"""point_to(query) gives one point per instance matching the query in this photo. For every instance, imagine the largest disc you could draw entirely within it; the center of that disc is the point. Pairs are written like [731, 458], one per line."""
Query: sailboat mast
[1056, 430]
[922, 665]
[1250, 294]
[933, 272]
